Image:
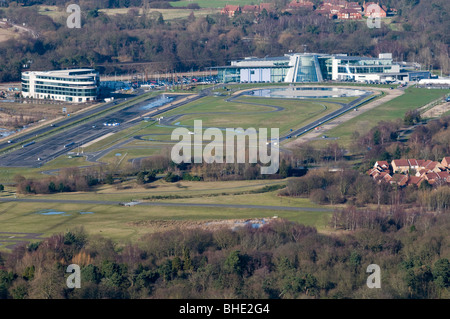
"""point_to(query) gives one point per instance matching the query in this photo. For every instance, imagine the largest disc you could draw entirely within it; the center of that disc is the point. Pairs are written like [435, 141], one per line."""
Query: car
[111, 123]
[10, 141]
[52, 125]
[94, 126]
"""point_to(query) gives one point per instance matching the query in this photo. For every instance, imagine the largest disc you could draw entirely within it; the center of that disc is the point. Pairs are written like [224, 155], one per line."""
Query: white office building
[76, 85]
[316, 67]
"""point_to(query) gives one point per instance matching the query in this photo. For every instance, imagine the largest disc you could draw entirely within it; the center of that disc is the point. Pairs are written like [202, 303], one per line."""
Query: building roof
[268, 6]
[400, 162]
[300, 3]
[413, 162]
[446, 160]
[381, 163]
[400, 179]
[249, 7]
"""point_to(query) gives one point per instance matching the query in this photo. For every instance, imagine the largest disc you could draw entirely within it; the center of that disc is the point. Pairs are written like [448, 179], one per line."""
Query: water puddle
[51, 212]
[159, 102]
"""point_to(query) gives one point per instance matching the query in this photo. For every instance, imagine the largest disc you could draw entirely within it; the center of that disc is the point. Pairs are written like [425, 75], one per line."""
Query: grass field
[59, 13]
[213, 3]
[124, 224]
[295, 113]
[127, 224]
[395, 109]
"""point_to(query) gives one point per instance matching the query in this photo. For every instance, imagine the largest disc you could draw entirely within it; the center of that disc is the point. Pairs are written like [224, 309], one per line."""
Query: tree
[234, 263]
[441, 273]
[412, 117]
[109, 179]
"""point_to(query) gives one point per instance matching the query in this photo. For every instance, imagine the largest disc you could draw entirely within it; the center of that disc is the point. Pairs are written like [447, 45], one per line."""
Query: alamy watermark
[374, 280]
[73, 20]
[374, 20]
[258, 146]
[74, 280]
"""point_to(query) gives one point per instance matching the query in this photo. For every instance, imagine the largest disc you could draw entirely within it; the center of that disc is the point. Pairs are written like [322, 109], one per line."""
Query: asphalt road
[70, 139]
[47, 149]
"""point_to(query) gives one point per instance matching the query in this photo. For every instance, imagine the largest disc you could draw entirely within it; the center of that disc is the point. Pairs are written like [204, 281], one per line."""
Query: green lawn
[125, 224]
[394, 109]
[234, 114]
[213, 3]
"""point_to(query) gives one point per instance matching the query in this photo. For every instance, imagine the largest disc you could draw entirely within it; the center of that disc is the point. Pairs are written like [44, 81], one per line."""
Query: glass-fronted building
[77, 85]
[311, 67]
[255, 70]
[363, 68]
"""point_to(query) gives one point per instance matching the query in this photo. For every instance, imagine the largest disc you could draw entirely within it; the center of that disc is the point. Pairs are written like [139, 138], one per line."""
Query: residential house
[439, 177]
[415, 180]
[400, 179]
[374, 10]
[337, 3]
[230, 10]
[355, 6]
[383, 164]
[349, 14]
[400, 166]
[294, 4]
[250, 9]
[446, 162]
[267, 6]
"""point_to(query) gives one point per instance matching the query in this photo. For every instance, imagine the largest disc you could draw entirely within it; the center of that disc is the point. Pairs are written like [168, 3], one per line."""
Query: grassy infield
[115, 221]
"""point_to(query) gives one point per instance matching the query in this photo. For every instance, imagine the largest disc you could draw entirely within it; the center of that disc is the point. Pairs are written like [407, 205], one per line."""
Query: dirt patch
[212, 225]
[437, 111]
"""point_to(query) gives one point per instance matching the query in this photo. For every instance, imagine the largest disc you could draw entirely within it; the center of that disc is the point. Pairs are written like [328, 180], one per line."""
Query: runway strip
[94, 202]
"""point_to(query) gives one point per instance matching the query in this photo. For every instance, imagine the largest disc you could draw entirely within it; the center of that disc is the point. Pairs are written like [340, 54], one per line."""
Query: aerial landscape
[225, 150]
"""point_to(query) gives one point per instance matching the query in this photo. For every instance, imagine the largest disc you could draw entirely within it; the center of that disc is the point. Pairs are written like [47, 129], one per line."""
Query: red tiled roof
[415, 180]
[413, 162]
[437, 175]
[267, 6]
[381, 163]
[300, 3]
[443, 175]
[400, 179]
[423, 171]
[335, 3]
[431, 165]
[446, 160]
[348, 11]
[400, 162]
[249, 7]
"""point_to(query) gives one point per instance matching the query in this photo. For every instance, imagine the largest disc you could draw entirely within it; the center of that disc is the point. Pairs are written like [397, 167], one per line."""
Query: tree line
[199, 42]
[279, 260]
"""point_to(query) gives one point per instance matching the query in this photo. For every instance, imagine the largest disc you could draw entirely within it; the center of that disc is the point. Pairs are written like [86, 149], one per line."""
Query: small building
[250, 9]
[295, 4]
[384, 165]
[268, 6]
[230, 10]
[400, 166]
[349, 14]
[415, 180]
[400, 179]
[373, 10]
[446, 162]
[337, 3]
